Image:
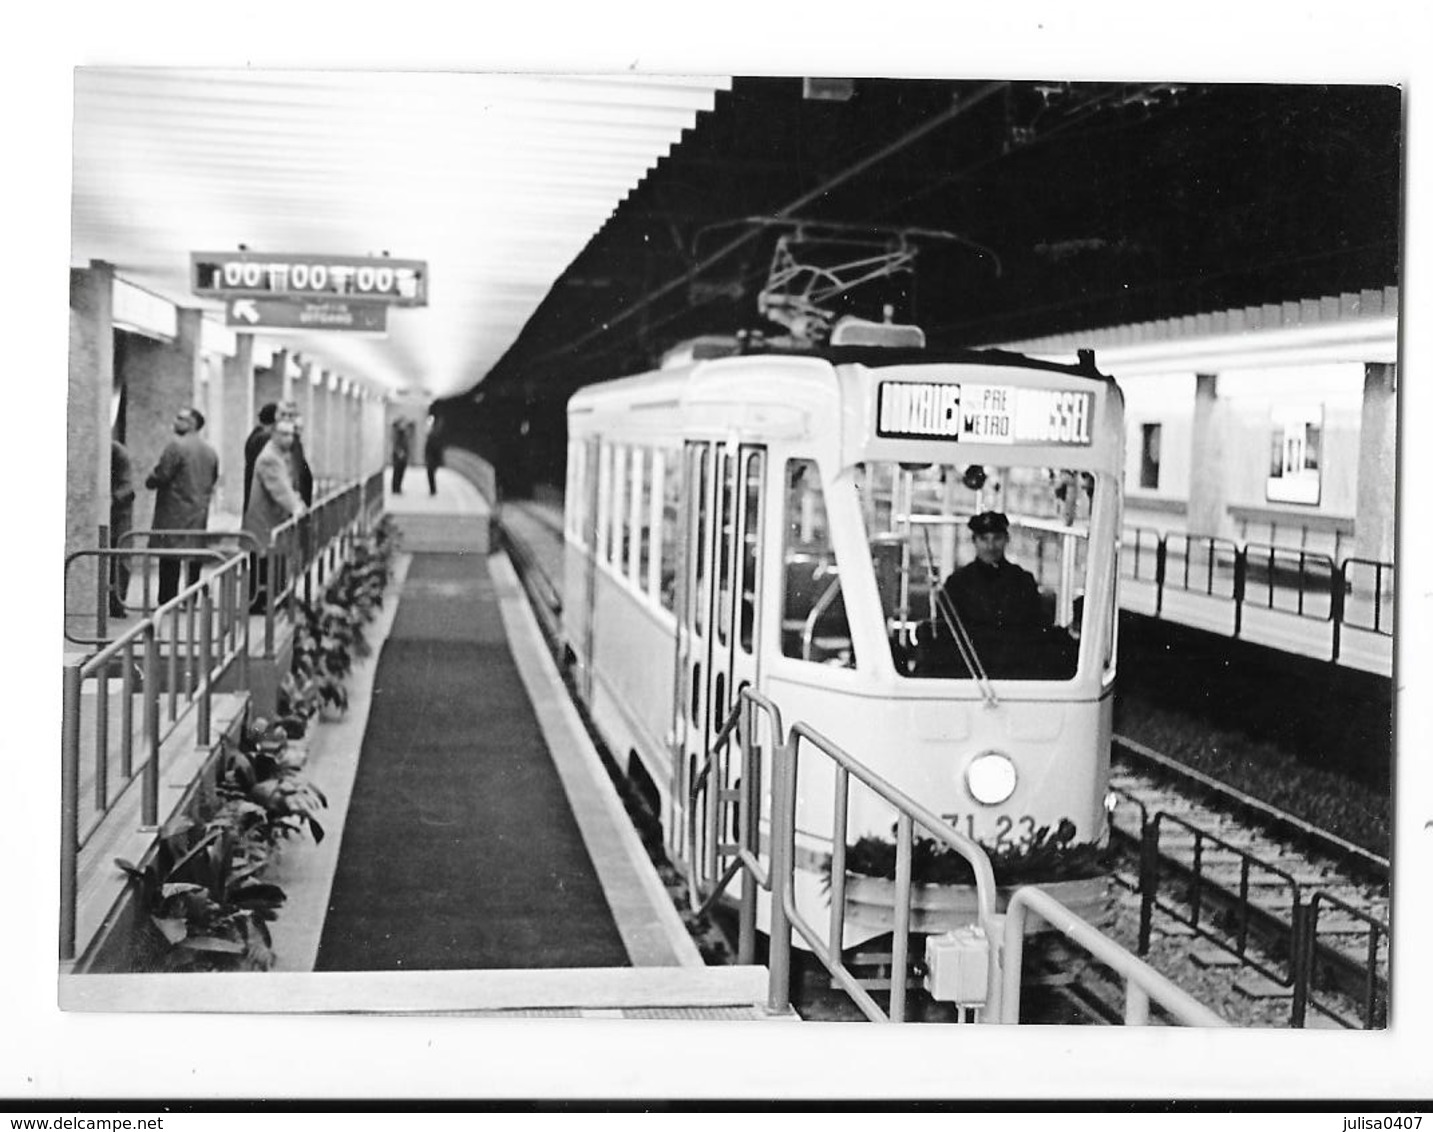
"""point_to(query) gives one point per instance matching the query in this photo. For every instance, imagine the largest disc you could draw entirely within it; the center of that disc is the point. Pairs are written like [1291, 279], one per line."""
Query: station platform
[478, 860]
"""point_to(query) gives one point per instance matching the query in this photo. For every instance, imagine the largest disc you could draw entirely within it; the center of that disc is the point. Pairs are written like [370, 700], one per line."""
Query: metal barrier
[910, 814]
[1142, 983]
[1312, 576]
[167, 665]
[105, 558]
[1247, 863]
[1354, 593]
[1375, 990]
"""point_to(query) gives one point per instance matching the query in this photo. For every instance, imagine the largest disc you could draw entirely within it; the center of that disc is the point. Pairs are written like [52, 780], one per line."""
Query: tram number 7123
[1005, 828]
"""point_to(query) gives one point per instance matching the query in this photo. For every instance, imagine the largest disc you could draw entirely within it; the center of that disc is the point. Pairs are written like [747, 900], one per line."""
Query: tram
[785, 519]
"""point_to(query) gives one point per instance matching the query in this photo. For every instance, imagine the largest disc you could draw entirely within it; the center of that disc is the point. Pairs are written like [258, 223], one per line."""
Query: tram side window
[671, 500]
[633, 505]
[814, 625]
[750, 544]
[617, 495]
[642, 495]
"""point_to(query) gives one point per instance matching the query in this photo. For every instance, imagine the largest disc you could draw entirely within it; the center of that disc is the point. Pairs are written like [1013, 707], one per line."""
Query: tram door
[717, 622]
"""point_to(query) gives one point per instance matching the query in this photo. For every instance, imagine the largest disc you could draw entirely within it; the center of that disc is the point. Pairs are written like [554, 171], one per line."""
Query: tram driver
[999, 604]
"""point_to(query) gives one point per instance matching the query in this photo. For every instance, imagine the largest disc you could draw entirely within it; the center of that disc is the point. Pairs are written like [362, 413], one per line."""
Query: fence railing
[122, 701]
[165, 666]
[716, 804]
[1355, 593]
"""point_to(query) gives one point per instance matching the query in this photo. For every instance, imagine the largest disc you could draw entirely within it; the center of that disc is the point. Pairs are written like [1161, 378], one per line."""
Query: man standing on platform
[433, 453]
[402, 447]
[272, 500]
[183, 481]
[255, 444]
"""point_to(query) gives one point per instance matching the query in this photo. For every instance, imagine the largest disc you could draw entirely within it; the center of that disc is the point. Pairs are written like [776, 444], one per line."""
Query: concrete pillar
[240, 415]
[1375, 522]
[321, 459]
[269, 382]
[1207, 487]
[159, 379]
[91, 389]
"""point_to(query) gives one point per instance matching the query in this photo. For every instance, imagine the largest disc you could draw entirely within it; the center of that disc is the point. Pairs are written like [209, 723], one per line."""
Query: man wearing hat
[992, 592]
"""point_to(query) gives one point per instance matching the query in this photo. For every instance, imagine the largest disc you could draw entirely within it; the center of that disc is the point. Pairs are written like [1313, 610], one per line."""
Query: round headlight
[990, 778]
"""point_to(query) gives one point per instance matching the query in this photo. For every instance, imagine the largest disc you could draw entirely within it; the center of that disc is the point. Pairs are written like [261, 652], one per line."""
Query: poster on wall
[1295, 440]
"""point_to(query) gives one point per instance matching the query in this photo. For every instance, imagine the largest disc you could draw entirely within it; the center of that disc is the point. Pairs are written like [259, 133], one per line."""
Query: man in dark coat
[183, 481]
[433, 453]
[992, 592]
[402, 449]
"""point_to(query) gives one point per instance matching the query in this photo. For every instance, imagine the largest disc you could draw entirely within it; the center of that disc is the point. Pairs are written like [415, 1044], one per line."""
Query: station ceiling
[494, 181]
[576, 227]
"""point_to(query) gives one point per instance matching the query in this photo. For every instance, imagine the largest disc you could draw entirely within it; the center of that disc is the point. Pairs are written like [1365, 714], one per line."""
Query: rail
[1352, 593]
[745, 852]
[166, 666]
[909, 815]
[1374, 1000]
[1142, 984]
[106, 559]
[1199, 883]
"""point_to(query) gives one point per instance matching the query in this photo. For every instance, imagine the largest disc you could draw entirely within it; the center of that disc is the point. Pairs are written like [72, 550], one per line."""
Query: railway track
[1274, 906]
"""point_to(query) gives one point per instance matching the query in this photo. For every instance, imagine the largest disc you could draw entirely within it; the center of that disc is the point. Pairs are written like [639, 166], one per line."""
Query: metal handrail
[106, 555]
[1373, 989]
[1142, 982]
[1149, 893]
[1272, 557]
[216, 636]
[214, 612]
[746, 852]
[1213, 550]
[910, 813]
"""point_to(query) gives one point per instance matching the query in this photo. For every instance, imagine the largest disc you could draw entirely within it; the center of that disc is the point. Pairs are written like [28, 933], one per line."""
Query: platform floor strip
[460, 849]
[652, 931]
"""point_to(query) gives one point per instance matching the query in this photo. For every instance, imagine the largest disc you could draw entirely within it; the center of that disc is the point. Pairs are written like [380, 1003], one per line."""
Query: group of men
[278, 484]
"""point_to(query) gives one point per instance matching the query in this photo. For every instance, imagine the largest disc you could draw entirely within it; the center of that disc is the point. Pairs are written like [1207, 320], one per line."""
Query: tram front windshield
[960, 606]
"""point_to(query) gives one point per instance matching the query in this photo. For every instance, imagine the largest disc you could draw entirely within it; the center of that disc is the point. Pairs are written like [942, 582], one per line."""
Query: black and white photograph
[600, 570]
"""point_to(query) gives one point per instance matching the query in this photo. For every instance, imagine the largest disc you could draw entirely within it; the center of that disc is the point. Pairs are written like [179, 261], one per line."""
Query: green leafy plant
[267, 792]
[203, 898]
[1050, 855]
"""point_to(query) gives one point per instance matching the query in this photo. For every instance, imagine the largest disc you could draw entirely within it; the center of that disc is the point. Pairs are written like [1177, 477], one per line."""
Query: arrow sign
[320, 314]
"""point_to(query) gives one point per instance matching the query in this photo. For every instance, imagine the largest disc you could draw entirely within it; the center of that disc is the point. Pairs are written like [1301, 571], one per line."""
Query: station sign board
[370, 279]
[984, 414]
[312, 314]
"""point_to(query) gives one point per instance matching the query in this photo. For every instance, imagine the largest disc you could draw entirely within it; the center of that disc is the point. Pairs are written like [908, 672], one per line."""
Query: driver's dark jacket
[995, 597]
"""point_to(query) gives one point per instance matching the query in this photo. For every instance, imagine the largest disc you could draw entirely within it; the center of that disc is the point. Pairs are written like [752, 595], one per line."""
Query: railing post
[206, 660]
[1336, 606]
[901, 934]
[783, 823]
[69, 809]
[1161, 564]
[1302, 953]
[269, 589]
[1148, 880]
[149, 786]
[748, 833]
[1136, 1004]
[1241, 575]
[103, 565]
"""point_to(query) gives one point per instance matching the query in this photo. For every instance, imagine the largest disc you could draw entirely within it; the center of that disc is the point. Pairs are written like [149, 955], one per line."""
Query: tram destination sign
[984, 414]
[371, 279]
[308, 314]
